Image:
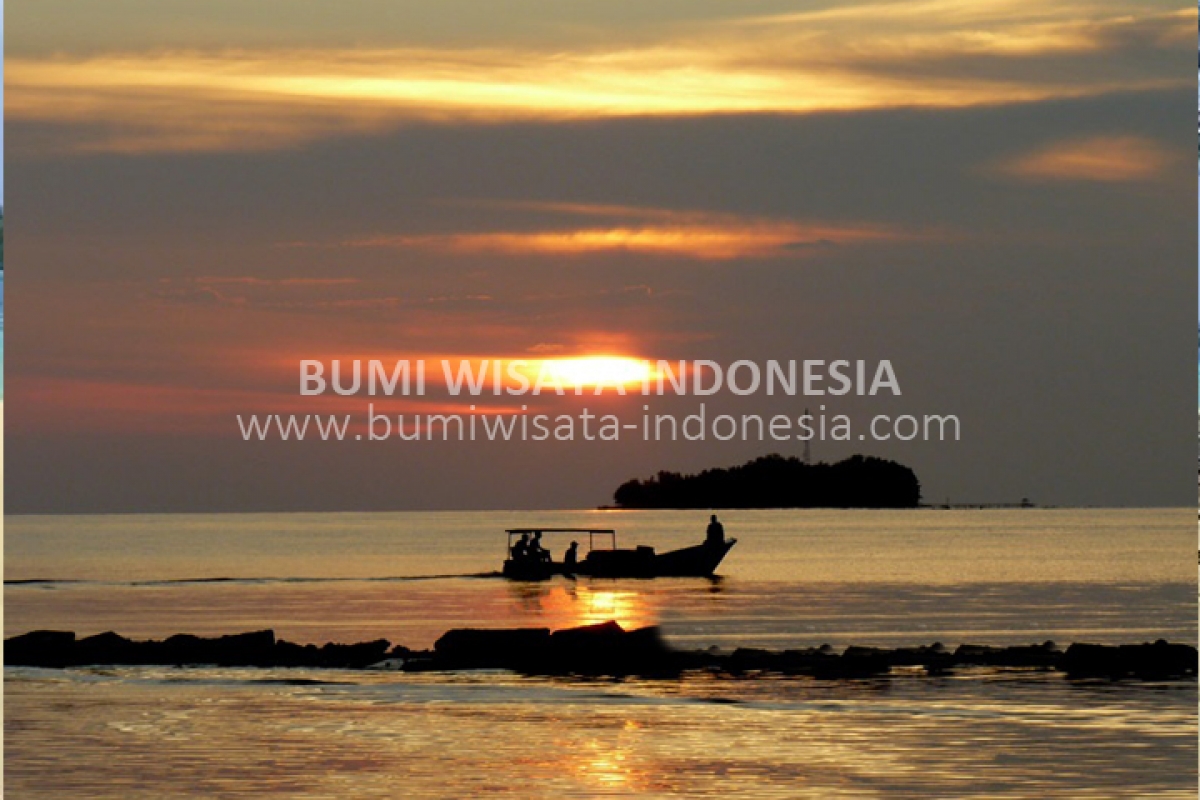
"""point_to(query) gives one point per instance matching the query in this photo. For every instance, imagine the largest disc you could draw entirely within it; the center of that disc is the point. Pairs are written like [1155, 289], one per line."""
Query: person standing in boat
[716, 533]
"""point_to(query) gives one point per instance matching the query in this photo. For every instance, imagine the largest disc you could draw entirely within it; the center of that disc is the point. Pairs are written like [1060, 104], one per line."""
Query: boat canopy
[559, 530]
[591, 532]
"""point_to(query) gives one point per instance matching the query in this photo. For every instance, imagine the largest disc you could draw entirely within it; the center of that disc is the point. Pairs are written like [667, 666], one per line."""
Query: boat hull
[699, 561]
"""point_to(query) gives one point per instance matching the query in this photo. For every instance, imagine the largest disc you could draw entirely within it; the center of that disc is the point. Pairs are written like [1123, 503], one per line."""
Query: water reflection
[598, 764]
[573, 604]
[156, 732]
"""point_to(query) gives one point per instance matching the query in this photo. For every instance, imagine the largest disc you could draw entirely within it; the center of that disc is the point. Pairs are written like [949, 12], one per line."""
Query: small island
[777, 482]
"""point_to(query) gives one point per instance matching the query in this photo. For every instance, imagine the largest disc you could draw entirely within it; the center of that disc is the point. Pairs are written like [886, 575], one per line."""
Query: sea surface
[795, 579]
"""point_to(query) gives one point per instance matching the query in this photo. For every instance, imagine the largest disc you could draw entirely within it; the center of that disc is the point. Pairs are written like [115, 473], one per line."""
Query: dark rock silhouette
[607, 649]
[41, 649]
[1144, 661]
[604, 649]
[255, 649]
[1035, 655]
[471, 648]
[777, 482]
[239, 650]
[109, 648]
[331, 655]
[819, 662]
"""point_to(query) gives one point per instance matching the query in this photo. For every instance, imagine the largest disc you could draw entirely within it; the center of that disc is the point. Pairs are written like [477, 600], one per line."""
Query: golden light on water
[602, 605]
[602, 765]
[572, 606]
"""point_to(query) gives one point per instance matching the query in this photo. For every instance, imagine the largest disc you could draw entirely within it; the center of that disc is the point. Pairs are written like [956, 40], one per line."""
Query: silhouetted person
[571, 557]
[520, 550]
[536, 551]
[716, 532]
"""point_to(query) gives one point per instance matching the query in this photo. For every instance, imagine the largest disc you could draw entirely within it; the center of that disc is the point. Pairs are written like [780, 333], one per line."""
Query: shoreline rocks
[1160, 660]
[605, 649]
[253, 649]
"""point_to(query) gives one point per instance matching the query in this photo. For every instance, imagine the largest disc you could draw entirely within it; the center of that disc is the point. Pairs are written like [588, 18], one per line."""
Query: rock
[288, 654]
[750, 659]
[353, 656]
[254, 649]
[1034, 655]
[589, 637]
[109, 648]
[808, 661]
[1046, 654]
[931, 657]
[40, 649]
[607, 649]
[504, 648]
[1157, 661]
[977, 654]
[333, 656]
[604, 649]
[856, 662]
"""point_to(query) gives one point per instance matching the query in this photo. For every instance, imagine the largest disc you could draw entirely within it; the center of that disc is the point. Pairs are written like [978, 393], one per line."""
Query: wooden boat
[612, 562]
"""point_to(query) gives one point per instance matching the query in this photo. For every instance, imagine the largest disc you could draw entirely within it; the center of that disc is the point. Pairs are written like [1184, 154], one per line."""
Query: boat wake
[53, 582]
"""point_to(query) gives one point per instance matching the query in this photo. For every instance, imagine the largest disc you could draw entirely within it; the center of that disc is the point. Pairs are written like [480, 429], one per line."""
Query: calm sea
[795, 579]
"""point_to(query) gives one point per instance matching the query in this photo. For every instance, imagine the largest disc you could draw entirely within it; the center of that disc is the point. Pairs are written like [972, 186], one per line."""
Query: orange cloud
[940, 29]
[246, 280]
[660, 232]
[1114, 159]
[693, 242]
[883, 55]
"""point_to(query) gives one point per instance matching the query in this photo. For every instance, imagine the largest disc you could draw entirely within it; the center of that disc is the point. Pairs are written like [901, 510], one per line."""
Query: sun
[594, 371]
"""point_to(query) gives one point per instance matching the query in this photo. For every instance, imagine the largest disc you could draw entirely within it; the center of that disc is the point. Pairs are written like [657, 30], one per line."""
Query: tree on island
[777, 482]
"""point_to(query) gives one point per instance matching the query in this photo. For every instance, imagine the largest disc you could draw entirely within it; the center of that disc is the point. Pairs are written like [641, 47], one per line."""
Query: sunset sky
[995, 195]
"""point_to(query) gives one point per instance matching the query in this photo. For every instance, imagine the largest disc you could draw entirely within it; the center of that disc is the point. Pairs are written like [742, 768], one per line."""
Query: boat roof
[559, 530]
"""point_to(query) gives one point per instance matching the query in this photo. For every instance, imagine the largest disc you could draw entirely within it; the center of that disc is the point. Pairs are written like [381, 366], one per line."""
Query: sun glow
[590, 371]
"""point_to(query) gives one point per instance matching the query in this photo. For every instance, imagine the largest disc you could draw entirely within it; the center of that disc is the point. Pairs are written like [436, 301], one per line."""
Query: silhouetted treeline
[777, 482]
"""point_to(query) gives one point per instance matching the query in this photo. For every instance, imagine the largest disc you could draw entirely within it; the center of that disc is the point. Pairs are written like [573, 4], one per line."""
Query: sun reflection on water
[598, 764]
[579, 604]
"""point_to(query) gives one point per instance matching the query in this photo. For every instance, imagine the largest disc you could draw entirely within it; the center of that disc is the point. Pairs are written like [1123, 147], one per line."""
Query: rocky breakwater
[254, 649]
[604, 649]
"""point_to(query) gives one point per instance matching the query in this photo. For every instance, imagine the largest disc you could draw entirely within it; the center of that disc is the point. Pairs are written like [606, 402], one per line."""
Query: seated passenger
[571, 557]
[536, 551]
[520, 550]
